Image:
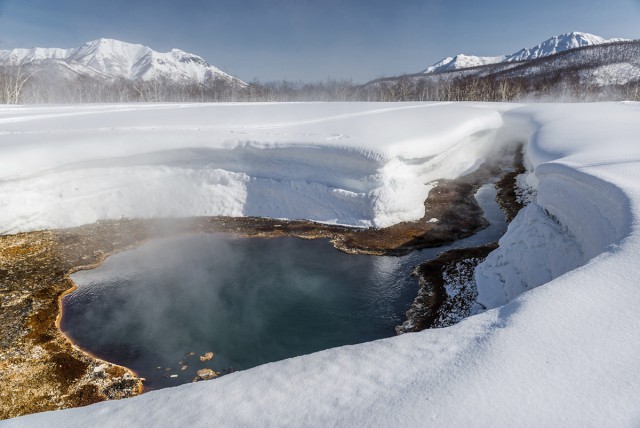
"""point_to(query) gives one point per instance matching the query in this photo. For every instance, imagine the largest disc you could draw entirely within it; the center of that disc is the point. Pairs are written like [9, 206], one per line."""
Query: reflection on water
[249, 301]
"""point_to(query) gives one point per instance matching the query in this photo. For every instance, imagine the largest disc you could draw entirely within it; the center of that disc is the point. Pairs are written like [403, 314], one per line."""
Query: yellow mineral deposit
[206, 357]
[206, 374]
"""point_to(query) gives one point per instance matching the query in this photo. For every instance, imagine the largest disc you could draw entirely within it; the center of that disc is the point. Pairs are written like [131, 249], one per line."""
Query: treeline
[565, 85]
[606, 72]
[19, 85]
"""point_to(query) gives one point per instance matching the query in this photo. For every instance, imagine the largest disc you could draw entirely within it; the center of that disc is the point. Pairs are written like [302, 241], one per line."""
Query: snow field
[354, 164]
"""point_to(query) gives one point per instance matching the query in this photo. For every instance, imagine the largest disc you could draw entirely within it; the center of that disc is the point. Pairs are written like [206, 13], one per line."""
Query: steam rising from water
[250, 301]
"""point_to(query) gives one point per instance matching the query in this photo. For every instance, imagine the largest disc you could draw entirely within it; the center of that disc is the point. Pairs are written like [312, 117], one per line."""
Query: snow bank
[563, 354]
[535, 250]
[357, 164]
[581, 210]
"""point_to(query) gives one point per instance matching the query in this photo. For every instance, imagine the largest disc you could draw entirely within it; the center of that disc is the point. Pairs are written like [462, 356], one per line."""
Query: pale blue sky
[313, 40]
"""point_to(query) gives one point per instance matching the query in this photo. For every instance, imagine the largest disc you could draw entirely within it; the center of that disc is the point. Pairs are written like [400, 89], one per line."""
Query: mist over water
[249, 301]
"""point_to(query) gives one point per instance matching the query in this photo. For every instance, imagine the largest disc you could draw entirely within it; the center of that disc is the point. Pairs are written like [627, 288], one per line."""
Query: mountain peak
[462, 61]
[558, 44]
[111, 58]
[111, 44]
[106, 41]
[550, 46]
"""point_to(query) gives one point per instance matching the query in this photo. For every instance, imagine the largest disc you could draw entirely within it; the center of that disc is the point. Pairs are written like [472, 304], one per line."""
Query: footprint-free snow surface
[559, 343]
[353, 163]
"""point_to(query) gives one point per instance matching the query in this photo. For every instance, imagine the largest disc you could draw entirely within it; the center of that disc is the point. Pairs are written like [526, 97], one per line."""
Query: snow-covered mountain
[550, 46]
[462, 61]
[116, 59]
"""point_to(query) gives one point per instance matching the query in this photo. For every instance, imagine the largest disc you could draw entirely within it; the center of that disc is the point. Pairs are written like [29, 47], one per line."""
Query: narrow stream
[158, 308]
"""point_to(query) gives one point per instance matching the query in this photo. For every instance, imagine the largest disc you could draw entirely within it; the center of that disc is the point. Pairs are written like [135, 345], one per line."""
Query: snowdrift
[562, 354]
[354, 164]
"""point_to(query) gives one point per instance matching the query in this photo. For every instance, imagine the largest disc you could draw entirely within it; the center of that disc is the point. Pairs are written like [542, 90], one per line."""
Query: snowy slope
[358, 164]
[116, 59]
[462, 61]
[558, 44]
[550, 46]
[563, 354]
[17, 56]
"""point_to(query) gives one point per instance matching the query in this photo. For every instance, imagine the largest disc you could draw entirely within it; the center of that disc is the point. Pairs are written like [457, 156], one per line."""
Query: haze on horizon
[314, 40]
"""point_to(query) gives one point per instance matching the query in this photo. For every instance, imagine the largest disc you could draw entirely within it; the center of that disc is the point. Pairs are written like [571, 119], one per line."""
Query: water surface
[157, 308]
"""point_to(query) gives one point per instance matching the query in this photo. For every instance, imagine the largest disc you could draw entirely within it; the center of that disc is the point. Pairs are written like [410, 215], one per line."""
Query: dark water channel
[249, 301]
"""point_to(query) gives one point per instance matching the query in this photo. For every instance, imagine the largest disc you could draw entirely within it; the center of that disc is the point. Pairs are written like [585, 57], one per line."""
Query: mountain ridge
[110, 58]
[551, 46]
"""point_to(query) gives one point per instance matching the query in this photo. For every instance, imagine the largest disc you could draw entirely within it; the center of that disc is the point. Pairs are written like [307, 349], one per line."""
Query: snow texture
[565, 353]
[461, 61]
[357, 164]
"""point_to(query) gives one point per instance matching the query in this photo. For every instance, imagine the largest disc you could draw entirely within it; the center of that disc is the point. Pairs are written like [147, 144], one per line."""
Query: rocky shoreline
[448, 292]
[41, 369]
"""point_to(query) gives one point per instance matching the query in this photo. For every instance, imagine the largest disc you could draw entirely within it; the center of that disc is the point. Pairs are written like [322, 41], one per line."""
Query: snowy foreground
[563, 354]
[357, 164]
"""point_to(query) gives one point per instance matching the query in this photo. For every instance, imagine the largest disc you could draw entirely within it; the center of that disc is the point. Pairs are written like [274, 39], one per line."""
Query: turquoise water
[157, 308]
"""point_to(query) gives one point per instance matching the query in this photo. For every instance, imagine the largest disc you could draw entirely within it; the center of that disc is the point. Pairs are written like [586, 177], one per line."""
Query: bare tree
[13, 80]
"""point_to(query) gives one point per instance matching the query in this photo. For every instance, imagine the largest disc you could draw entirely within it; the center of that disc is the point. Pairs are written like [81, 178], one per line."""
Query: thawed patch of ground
[448, 291]
[44, 371]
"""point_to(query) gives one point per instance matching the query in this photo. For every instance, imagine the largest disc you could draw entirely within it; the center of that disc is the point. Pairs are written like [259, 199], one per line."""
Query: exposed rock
[206, 374]
[507, 189]
[40, 369]
[448, 290]
[206, 357]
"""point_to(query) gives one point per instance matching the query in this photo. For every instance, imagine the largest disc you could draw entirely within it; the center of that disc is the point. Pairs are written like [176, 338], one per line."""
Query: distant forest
[595, 73]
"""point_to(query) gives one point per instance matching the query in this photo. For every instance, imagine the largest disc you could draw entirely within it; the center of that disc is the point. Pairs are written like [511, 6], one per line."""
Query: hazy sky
[315, 39]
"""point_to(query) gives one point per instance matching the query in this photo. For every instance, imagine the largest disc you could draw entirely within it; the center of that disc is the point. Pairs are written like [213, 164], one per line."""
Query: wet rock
[447, 289]
[206, 357]
[206, 374]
